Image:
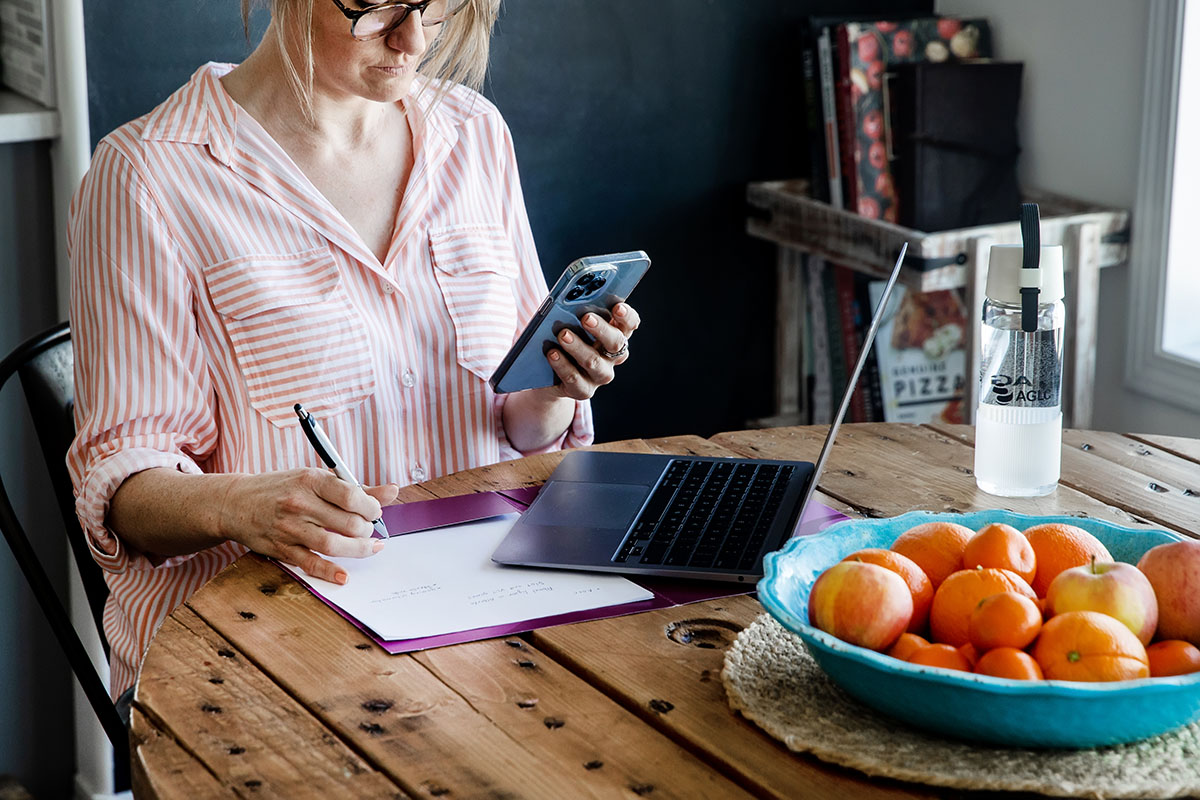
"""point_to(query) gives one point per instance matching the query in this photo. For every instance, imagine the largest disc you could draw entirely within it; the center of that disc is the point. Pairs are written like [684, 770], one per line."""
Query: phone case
[594, 284]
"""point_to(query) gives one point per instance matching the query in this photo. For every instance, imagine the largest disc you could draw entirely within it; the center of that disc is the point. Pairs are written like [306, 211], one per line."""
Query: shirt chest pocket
[295, 336]
[476, 267]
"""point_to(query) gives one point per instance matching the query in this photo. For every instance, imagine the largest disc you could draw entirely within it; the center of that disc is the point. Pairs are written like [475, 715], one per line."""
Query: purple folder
[426, 514]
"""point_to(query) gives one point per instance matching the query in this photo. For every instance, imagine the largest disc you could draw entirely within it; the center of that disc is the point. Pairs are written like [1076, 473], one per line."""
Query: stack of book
[918, 372]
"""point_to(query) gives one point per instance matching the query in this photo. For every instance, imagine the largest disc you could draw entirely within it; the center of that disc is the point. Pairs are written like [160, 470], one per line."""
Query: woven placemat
[772, 680]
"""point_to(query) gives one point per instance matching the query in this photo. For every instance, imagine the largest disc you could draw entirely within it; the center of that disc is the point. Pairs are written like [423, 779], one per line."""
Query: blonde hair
[459, 53]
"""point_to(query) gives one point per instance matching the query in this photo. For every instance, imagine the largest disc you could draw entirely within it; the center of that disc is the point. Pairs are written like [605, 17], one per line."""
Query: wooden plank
[789, 329]
[1109, 468]
[563, 720]
[979, 253]
[688, 446]
[1177, 445]
[160, 769]
[787, 216]
[428, 736]
[198, 689]
[885, 469]
[665, 666]
[1081, 246]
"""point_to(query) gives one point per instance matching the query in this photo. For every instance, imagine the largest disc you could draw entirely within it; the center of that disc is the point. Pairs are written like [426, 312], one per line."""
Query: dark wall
[637, 125]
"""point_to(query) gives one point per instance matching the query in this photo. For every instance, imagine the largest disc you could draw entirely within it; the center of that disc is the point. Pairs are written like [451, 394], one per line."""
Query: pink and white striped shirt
[213, 287]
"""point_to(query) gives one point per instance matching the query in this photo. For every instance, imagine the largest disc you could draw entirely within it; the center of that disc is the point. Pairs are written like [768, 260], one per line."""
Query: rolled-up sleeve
[143, 396]
[531, 290]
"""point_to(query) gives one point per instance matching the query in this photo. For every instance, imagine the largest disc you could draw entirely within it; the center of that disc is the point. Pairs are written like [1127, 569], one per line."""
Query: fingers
[626, 318]
[348, 509]
[386, 495]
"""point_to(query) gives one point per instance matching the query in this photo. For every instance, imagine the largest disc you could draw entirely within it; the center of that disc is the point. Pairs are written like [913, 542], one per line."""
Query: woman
[321, 225]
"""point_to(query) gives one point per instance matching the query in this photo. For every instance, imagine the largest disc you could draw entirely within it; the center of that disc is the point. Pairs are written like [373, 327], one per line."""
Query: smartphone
[593, 284]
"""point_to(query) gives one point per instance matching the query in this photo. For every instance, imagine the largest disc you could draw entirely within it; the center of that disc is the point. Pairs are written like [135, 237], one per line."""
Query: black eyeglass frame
[354, 15]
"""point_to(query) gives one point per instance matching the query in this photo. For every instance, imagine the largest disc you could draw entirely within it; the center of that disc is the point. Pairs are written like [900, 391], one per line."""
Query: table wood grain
[255, 688]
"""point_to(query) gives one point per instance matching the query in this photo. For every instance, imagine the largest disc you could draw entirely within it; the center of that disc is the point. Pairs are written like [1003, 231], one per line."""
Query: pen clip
[308, 425]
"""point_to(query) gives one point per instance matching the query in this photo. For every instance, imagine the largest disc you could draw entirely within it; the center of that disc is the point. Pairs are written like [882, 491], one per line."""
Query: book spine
[833, 159]
[869, 381]
[845, 118]
[821, 395]
[837, 352]
[818, 174]
[843, 279]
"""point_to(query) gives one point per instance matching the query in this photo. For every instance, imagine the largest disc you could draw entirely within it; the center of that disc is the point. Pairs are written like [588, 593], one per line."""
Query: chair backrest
[45, 366]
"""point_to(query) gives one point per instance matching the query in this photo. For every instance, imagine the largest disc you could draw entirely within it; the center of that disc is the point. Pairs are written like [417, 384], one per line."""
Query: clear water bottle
[1018, 423]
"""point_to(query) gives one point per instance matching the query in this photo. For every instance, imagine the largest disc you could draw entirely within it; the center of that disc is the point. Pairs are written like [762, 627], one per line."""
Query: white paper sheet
[444, 581]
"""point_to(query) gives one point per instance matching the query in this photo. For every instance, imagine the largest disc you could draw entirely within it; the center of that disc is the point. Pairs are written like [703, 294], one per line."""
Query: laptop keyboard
[708, 514]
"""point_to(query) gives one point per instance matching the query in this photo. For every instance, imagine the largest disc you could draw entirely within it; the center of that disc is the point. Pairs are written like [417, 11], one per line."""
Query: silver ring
[624, 349]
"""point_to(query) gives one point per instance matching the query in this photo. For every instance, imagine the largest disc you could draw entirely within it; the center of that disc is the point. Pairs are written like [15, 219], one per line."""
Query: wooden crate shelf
[1092, 238]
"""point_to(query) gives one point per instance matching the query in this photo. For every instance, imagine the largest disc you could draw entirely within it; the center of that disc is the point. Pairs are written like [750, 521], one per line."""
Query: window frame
[1149, 368]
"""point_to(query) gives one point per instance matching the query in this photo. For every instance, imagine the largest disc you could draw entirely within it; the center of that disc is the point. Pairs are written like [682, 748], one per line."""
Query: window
[1163, 358]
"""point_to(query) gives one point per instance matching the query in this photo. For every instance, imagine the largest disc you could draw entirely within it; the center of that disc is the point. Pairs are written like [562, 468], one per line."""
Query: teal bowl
[1066, 714]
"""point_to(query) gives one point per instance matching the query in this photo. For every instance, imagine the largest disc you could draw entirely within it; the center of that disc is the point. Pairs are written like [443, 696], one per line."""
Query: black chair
[45, 366]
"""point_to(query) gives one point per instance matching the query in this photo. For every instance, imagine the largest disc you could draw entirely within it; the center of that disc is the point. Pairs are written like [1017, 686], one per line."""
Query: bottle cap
[1006, 277]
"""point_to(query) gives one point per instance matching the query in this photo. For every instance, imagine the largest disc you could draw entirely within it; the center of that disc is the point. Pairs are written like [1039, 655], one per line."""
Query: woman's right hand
[297, 516]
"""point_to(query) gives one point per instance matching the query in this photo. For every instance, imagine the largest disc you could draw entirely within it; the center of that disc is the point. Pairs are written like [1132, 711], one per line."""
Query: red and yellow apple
[860, 603]
[1114, 588]
[1174, 571]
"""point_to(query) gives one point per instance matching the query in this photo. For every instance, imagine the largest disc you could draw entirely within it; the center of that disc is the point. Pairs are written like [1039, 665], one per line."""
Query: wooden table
[255, 688]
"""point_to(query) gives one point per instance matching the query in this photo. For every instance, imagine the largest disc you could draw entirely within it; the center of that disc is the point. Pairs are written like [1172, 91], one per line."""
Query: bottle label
[1021, 370]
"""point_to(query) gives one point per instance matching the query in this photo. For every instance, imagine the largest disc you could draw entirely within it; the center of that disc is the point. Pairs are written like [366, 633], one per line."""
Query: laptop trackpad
[587, 505]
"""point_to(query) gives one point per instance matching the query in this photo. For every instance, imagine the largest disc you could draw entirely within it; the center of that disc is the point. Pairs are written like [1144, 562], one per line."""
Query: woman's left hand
[591, 366]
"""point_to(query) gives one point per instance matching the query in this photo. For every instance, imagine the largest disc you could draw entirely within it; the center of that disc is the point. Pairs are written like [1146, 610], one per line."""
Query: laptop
[642, 514]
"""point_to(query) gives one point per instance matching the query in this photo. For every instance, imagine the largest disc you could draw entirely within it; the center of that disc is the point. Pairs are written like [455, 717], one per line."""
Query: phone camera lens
[576, 292]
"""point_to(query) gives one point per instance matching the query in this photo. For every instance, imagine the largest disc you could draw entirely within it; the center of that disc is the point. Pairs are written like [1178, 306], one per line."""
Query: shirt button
[408, 379]
[387, 288]
[418, 474]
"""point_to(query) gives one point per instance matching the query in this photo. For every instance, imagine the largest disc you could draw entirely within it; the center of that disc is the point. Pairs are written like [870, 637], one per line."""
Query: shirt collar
[202, 112]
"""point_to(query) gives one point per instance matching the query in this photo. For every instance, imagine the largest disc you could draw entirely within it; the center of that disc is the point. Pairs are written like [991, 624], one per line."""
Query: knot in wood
[527, 704]
[247, 615]
[525, 663]
[268, 589]
[1155, 487]
[553, 723]
[516, 643]
[252, 784]
[661, 706]
[217, 681]
[593, 764]
[641, 789]
[236, 751]
[209, 708]
[372, 728]
[438, 791]
[223, 653]
[377, 706]
[705, 633]
[363, 646]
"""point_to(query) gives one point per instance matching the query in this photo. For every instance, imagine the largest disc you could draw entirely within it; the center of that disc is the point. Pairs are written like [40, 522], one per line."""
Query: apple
[1109, 587]
[1174, 571]
[860, 603]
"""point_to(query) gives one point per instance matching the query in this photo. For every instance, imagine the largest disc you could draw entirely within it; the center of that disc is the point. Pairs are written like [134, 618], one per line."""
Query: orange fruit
[956, 598]
[940, 655]
[1089, 646]
[969, 653]
[1006, 619]
[1173, 657]
[1003, 546]
[937, 548]
[914, 576]
[1058, 546]
[906, 645]
[1008, 662]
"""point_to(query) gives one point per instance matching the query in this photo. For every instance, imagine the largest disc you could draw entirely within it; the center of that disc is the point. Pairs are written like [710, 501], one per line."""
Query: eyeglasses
[380, 20]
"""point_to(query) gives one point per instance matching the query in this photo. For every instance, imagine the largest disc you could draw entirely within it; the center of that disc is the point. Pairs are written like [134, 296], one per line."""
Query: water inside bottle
[1018, 451]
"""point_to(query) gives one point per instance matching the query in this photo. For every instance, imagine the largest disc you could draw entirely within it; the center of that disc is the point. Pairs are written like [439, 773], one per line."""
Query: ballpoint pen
[325, 449]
